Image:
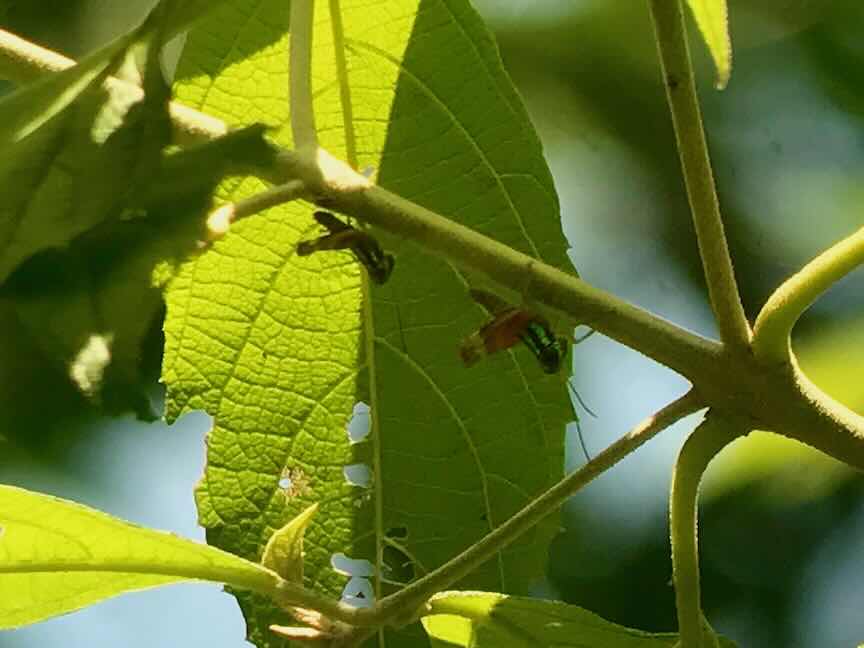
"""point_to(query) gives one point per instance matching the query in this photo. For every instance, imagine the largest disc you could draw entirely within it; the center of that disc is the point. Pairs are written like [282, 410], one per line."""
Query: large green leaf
[712, 17]
[488, 620]
[279, 348]
[57, 556]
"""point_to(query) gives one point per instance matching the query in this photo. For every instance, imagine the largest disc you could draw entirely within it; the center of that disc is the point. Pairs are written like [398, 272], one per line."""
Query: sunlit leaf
[279, 348]
[712, 17]
[57, 556]
[284, 551]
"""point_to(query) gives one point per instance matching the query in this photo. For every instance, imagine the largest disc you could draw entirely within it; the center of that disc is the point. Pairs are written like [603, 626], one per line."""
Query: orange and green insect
[510, 326]
[342, 236]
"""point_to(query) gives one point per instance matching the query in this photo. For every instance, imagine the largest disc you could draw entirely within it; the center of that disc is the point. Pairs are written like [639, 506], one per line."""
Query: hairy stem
[771, 340]
[714, 434]
[784, 403]
[300, 70]
[671, 345]
[405, 604]
[668, 20]
[22, 61]
[220, 220]
[668, 344]
[418, 592]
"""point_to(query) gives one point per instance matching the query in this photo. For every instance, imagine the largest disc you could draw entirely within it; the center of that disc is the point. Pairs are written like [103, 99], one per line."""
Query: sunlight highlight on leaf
[279, 348]
[57, 556]
[712, 17]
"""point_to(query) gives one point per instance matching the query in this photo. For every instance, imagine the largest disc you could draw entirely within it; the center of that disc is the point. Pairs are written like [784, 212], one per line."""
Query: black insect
[342, 236]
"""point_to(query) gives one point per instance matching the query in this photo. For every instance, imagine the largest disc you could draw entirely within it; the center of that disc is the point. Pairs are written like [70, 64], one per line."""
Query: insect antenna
[578, 422]
[579, 399]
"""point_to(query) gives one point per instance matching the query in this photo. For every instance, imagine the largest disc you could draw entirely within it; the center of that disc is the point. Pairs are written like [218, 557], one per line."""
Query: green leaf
[712, 17]
[57, 556]
[29, 108]
[74, 175]
[284, 551]
[186, 12]
[90, 307]
[490, 620]
[73, 172]
[279, 348]
[95, 181]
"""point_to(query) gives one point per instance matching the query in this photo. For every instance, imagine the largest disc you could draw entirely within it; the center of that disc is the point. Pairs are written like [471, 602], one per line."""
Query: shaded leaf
[489, 620]
[29, 108]
[100, 290]
[279, 348]
[74, 172]
[89, 307]
[712, 17]
[57, 556]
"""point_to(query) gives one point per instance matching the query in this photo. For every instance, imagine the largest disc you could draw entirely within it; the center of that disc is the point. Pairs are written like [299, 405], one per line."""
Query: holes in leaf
[346, 566]
[398, 533]
[358, 475]
[398, 565]
[295, 482]
[358, 592]
[360, 423]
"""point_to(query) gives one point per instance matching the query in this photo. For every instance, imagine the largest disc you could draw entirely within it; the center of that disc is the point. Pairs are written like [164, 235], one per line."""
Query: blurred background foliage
[780, 525]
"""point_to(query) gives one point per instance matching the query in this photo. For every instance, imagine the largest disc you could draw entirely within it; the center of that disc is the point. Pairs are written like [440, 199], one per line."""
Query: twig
[22, 61]
[774, 325]
[789, 406]
[220, 219]
[344, 85]
[714, 434]
[668, 20]
[300, 70]
[439, 579]
[341, 188]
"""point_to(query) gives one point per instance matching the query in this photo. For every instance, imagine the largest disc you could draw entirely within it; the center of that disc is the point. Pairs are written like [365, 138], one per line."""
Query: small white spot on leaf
[358, 475]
